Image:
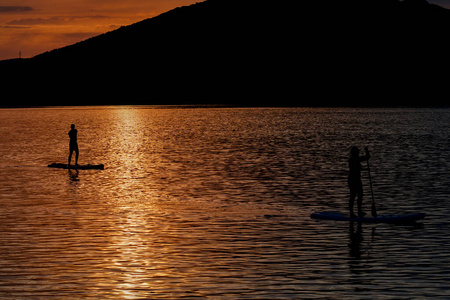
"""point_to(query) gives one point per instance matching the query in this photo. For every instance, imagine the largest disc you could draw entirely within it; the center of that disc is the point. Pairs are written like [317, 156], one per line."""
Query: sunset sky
[36, 26]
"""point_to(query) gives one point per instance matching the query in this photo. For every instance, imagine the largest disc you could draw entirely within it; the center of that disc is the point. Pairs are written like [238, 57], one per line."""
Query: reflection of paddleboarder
[73, 145]
[354, 180]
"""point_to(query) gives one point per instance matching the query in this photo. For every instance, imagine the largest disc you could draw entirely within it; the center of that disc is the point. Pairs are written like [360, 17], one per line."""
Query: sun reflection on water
[131, 247]
[131, 232]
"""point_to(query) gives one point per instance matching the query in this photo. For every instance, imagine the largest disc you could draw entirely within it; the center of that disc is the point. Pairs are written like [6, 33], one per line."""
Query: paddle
[374, 209]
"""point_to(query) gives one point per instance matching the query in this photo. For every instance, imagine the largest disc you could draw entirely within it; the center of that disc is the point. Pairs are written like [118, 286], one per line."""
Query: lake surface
[216, 203]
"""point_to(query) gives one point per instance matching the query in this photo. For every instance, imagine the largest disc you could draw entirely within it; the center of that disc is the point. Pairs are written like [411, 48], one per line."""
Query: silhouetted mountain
[328, 52]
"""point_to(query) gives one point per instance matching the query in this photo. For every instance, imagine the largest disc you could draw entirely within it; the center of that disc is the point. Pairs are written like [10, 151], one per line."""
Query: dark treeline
[251, 52]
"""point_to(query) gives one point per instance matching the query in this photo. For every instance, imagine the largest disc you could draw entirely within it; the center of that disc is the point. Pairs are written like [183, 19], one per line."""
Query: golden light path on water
[131, 239]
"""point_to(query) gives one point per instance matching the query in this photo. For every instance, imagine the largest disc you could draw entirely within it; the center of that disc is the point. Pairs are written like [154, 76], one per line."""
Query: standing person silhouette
[354, 180]
[73, 144]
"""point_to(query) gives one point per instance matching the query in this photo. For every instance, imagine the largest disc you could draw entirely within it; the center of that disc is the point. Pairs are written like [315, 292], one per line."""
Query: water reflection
[127, 139]
[132, 232]
[132, 259]
[73, 175]
[360, 261]
[356, 238]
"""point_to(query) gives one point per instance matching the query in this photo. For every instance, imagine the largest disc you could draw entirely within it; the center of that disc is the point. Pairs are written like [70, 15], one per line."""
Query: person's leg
[351, 203]
[70, 156]
[359, 201]
[76, 156]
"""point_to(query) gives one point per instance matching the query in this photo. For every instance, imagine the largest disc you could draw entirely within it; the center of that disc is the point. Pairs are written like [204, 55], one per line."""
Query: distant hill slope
[368, 52]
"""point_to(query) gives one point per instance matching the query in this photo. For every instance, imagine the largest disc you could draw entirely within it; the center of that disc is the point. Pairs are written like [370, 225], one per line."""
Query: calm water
[215, 203]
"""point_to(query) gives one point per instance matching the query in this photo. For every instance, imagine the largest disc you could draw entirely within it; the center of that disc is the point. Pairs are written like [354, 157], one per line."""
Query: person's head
[72, 126]
[354, 152]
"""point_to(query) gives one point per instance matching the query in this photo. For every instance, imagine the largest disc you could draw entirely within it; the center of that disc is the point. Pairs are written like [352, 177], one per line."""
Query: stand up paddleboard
[381, 218]
[77, 167]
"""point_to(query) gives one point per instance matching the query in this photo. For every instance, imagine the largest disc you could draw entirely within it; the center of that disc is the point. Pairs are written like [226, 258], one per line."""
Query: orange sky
[36, 26]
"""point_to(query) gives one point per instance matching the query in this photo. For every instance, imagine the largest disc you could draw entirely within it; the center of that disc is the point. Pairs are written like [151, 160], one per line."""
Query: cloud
[50, 21]
[37, 21]
[14, 9]
[14, 27]
[79, 35]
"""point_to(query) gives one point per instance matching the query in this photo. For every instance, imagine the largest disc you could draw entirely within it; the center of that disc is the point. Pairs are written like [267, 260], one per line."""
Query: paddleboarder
[73, 144]
[354, 179]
